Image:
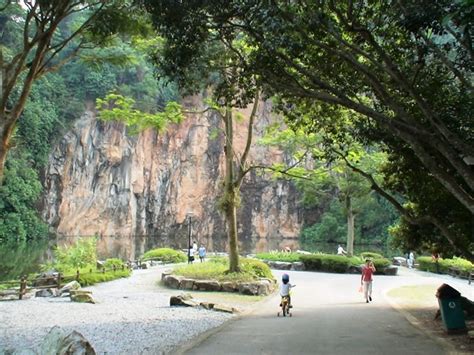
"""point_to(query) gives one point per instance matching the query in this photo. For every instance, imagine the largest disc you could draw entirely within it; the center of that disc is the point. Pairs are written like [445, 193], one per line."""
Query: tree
[405, 66]
[36, 39]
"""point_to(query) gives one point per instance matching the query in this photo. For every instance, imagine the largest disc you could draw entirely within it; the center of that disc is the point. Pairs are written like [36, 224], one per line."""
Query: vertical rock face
[135, 192]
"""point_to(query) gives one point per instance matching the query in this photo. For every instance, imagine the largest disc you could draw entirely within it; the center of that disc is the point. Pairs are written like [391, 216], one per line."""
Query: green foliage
[279, 256]
[381, 263]
[166, 255]
[116, 107]
[217, 269]
[80, 255]
[87, 278]
[426, 263]
[110, 263]
[326, 263]
[370, 255]
[18, 195]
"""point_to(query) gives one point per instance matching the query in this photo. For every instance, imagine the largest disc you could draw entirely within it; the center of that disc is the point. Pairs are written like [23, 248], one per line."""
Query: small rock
[225, 309]
[82, 297]
[73, 285]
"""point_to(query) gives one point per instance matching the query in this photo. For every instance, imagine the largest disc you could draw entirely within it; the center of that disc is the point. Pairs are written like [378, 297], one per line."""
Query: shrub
[370, 255]
[279, 256]
[88, 279]
[381, 263]
[217, 269]
[68, 259]
[165, 255]
[425, 263]
[110, 263]
[326, 262]
[256, 267]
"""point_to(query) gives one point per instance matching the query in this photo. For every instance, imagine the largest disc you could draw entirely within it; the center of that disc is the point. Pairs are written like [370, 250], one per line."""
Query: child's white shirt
[285, 289]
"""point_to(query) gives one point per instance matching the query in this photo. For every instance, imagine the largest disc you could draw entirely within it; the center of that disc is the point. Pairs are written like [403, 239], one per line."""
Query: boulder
[82, 297]
[186, 284]
[183, 300]
[73, 285]
[279, 265]
[229, 286]
[100, 264]
[60, 343]
[399, 261]
[207, 285]
[172, 281]
[225, 309]
[249, 288]
[207, 305]
[390, 270]
[47, 292]
[164, 274]
[297, 266]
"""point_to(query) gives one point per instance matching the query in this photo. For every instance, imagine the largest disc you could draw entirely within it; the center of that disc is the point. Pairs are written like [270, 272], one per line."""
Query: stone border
[257, 288]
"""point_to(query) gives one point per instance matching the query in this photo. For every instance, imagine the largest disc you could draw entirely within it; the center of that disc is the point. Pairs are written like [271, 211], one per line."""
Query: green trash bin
[449, 300]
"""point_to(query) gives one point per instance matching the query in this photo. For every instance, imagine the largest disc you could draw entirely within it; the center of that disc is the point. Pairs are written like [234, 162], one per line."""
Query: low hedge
[217, 269]
[426, 263]
[326, 262]
[165, 255]
[279, 256]
[88, 279]
[371, 255]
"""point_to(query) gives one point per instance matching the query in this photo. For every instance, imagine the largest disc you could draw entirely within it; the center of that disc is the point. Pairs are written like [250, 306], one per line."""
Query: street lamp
[189, 215]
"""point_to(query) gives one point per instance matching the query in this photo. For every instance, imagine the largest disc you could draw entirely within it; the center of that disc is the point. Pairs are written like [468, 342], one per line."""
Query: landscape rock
[172, 281]
[82, 297]
[207, 285]
[47, 292]
[229, 286]
[183, 300]
[49, 278]
[73, 285]
[249, 288]
[297, 266]
[279, 265]
[186, 284]
[60, 343]
[222, 308]
[390, 270]
[207, 305]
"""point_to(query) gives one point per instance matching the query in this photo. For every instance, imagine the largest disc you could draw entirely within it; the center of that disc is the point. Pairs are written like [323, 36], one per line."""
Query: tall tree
[405, 66]
[44, 43]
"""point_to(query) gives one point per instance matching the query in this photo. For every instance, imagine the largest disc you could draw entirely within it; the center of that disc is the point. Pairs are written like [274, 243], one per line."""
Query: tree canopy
[404, 66]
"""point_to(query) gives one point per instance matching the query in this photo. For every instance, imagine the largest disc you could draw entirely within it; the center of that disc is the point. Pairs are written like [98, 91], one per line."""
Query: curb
[448, 346]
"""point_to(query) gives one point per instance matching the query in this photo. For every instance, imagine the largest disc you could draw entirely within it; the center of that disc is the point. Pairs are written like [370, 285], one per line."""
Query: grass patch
[216, 269]
[279, 256]
[88, 278]
[165, 255]
[415, 295]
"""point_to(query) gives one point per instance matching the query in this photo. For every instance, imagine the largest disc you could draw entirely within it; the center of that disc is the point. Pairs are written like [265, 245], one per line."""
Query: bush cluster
[326, 262]
[165, 255]
[426, 263]
[217, 269]
[279, 256]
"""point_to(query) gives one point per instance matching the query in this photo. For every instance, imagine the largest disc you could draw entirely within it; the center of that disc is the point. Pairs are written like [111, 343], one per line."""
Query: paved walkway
[330, 317]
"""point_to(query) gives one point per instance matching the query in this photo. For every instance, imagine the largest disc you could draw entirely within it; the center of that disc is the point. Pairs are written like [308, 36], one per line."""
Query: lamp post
[189, 215]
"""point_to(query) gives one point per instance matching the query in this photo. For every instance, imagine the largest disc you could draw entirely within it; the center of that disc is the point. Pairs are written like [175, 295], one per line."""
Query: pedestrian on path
[411, 260]
[366, 279]
[202, 253]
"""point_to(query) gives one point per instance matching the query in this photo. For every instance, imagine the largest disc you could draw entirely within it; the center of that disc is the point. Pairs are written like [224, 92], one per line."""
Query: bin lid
[446, 291]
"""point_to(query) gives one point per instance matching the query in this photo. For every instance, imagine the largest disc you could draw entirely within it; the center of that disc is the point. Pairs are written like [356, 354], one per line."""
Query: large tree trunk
[350, 227]
[230, 197]
[6, 132]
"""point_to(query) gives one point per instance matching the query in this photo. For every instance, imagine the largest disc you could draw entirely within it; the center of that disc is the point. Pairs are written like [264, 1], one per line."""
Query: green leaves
[115, 107]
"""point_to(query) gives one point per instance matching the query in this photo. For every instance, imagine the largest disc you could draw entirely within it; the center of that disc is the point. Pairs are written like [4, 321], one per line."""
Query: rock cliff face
[135, 192]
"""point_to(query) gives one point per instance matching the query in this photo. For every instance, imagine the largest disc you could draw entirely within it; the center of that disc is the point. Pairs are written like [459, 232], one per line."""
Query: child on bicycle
[285, 288]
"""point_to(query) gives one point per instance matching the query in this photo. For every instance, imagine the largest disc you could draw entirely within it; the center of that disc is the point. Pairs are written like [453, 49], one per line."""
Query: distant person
[366, 279]
[340, 250]
[435, 259]
[190, 255]
[411, 260]
[202, 253]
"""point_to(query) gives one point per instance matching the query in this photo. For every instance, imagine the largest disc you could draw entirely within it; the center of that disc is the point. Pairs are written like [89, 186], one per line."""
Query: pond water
[23, 258]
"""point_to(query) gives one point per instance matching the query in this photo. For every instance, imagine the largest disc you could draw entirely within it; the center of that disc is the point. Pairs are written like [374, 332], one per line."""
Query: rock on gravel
[131, 316]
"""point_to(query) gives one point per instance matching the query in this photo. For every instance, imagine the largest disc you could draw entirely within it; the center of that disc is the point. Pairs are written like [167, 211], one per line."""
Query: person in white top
[285, 288]
[340, 250]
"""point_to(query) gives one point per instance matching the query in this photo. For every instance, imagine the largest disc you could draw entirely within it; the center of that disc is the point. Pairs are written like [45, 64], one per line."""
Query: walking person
[202, 253]
[190, 255]
[411, 260]
[366, 279]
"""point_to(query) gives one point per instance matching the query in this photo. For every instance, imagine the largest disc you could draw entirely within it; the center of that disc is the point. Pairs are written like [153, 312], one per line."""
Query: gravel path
[132, 316]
